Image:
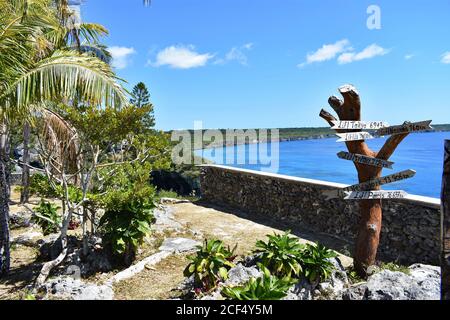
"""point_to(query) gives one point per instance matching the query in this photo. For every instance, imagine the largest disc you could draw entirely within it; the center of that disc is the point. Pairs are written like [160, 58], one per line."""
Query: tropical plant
[39, 63]
[127, 219]
[316, 263]
[267, 287]
[281, 254]
[47, 217]
[210, 264]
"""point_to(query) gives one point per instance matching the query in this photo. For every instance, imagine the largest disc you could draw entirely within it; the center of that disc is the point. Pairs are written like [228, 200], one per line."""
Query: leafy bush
[281, 254]
[315, 262]
[40, 185]
[49, 211]
[268, 287]
[127, 220]
[210, 264]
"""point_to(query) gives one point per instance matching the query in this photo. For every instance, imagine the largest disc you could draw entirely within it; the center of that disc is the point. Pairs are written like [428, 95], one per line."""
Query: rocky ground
[158, 271]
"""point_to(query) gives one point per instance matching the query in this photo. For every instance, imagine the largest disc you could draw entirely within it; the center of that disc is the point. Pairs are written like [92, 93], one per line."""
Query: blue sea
[316, 159]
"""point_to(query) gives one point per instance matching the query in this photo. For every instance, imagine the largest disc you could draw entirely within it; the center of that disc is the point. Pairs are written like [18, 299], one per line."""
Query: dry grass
[155, 283]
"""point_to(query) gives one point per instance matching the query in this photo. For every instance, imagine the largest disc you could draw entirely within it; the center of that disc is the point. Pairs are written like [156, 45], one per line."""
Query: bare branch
[390, 145]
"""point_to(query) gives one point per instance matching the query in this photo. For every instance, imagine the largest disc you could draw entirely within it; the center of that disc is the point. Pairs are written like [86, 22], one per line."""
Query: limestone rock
[75, 289]
[178, 244]
[241, 274]
[423, 283]
[20, 220]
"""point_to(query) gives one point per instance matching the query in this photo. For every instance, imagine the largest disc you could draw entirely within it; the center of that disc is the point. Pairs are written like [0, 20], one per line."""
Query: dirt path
[196, 222]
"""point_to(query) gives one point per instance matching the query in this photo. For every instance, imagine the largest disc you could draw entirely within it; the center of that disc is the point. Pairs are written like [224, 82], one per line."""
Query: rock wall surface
[410, 231]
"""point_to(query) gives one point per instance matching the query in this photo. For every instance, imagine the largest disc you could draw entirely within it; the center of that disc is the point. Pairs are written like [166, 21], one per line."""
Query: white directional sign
[354, 136]
[378, 194]
[370, 184]
[355, 125]
[359, 158]
[405, 128]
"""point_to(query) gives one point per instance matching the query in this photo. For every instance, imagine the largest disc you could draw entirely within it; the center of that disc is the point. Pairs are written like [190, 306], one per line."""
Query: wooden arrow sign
[355, 125]
[405, 128]
[359, 158]
[378, 194]
[354, 136]
[371, 184]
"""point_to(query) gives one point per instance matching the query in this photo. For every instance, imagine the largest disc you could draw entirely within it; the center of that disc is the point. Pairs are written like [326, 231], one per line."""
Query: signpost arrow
[359, 158]
[354, 136]
[378, 194]
[405, 128]
[330, 194]
[355, 125]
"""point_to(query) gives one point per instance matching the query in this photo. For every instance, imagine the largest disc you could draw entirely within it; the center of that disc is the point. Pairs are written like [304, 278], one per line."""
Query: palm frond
[67, 76]
[61, 140]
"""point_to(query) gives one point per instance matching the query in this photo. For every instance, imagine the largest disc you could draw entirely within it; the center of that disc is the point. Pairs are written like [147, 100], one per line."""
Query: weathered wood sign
[405, 128]
[378, 194]
[359, 158]
[355, 125]
[354, 136]
[370, 184]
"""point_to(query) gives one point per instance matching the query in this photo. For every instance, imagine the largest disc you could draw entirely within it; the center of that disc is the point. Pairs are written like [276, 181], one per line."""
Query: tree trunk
[85, 235]
[445, 225]
[25, 194]
[369, 227]
[4, 200]
[48, 266]
[368, 236]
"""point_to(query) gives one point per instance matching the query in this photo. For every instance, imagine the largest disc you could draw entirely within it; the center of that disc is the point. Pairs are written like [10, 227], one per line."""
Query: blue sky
[267, 64]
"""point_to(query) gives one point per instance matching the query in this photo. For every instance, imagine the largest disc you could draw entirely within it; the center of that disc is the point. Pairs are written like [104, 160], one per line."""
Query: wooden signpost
[359, 158]
[369, 185]
[378, 194]
[407, 127]
[369, 165]
[355, 125]
[354, 136]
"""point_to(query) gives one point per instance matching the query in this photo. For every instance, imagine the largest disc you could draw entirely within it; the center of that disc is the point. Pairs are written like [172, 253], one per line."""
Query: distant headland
[290, 134]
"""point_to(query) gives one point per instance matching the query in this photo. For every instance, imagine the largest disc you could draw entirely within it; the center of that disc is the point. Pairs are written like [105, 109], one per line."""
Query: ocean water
[317, 159]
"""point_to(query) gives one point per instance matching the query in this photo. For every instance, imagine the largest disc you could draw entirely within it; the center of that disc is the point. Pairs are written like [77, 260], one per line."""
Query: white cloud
[248, 46]
[181, 57]
[236, 54]
[446, 58]
[121, 56]
[327, 52]
[369, 52]
[409, 56]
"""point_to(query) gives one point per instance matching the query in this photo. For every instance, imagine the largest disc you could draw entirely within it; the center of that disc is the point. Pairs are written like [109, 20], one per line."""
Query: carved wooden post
[370, 210]
[445, 225]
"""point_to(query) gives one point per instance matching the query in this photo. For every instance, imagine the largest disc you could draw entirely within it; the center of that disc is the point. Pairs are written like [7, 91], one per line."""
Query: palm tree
[37, 65]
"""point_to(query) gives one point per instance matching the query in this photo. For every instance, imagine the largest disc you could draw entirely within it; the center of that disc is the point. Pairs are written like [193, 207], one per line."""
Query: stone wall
[410, 231]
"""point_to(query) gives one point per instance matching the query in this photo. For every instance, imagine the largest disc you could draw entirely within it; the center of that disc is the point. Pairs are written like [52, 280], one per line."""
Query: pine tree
[141, 99]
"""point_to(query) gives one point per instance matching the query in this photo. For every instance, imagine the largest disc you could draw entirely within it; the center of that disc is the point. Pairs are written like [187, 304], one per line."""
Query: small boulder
[240, 274]
[422, 283]
[178, 245]
[74, 289]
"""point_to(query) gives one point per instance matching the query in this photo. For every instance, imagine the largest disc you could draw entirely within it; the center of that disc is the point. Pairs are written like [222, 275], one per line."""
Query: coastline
[289, 139]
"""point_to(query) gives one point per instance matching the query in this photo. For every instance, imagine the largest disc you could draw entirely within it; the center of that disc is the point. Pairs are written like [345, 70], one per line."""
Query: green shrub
[395, 267]
[267, 287]
[210, 264]
[40, 185]
[281, 254]
[49, 211]
[315, 262]
[127, 220]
